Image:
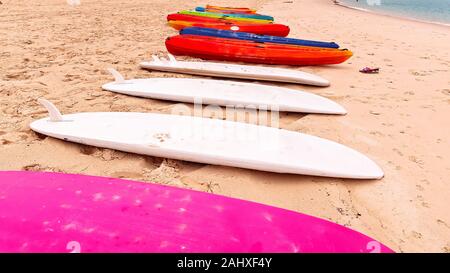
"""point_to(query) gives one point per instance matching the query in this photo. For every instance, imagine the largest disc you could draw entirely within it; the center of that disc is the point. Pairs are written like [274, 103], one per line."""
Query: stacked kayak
[203, 9]
[211, 8]
[278, 30]
[224, 18]
[202, 31]
[196, 18]
[180, 21]
[242, 35]
[240, 17]
[213, 48]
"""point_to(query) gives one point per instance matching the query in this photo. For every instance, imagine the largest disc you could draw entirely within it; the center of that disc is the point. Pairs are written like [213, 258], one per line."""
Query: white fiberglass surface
[236, 70]
[226, 92]
[212, 141]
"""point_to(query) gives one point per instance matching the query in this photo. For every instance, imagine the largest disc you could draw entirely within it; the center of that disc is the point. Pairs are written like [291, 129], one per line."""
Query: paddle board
[209, 141]
[224, 93]
[228, 70]
[54, 212]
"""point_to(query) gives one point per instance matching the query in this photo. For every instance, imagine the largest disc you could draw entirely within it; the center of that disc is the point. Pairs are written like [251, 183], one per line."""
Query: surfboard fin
[156, 59]
[172, 58]
[53, 112]
[117, 76]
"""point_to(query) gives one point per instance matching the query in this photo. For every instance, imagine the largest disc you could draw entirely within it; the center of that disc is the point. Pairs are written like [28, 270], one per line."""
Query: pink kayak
[53, 212]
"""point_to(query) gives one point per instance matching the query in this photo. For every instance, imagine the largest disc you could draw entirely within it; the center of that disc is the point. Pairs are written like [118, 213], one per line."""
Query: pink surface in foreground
[51, 212]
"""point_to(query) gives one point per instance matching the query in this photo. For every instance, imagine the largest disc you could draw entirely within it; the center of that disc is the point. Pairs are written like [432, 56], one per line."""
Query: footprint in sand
[5, 141]
[17, 138]
[446, 249]
[419, 73]
[70, 77]
[398, 151]
[419, 187]
[416, 160]
[109, 155]
[104, 154]
[167, 173]
[442, 222]
[88, 150]
[18, 76]
[417, 235]
[39, 167]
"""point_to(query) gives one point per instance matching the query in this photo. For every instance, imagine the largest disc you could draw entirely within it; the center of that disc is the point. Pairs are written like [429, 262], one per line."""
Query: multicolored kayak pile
[180, 21]
[242, 35]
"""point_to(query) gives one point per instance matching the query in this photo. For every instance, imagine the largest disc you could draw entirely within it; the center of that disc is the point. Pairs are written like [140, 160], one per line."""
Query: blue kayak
[253, 37]
[241, 15]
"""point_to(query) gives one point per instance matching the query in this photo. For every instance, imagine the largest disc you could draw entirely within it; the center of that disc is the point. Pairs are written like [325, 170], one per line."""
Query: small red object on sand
[369, 70]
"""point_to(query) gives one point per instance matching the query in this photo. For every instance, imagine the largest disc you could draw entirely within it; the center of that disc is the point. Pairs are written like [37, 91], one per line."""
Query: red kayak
[211, 48]
[260, 29]
[198, 19]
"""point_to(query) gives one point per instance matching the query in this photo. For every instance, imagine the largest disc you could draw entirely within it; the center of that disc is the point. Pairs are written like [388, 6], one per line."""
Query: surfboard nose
[377, 171]
[318, 81]
[340, 110]
[334, 108]
[371, 170]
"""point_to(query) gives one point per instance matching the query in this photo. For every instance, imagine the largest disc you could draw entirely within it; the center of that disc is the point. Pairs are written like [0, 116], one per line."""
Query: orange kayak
[212, 48]
[260, 29]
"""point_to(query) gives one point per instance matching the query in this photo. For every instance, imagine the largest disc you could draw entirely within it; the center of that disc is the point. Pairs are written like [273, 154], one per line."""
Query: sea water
[437, 11]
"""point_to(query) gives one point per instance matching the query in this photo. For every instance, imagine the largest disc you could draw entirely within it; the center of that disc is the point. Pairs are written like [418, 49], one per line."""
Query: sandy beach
[399, 118]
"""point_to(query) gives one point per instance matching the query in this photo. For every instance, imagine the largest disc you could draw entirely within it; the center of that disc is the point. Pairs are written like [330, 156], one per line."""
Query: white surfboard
[224, 93]
[209, 141]
[227, 70]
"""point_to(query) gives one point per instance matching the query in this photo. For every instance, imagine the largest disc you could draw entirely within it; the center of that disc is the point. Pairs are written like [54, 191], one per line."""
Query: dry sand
[399, 118]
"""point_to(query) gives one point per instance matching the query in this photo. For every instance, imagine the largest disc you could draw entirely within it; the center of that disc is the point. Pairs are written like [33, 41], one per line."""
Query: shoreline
[341, 4]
